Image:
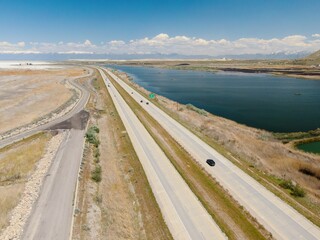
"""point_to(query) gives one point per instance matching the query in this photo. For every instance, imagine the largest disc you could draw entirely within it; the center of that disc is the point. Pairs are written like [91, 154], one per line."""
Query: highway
[182, 211]
[51, 216]
[276, 216]
[78, 107]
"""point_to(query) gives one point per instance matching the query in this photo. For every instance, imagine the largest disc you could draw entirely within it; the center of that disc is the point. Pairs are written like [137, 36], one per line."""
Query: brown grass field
[17, 162]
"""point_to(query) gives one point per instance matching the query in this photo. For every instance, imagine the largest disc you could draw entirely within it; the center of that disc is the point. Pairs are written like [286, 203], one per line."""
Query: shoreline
[259, 153]
[291, 71]
[275, 133]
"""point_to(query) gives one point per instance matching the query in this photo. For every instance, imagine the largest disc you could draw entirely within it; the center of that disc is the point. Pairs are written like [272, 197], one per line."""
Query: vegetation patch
[96, 174]
[91, 136]
[305, 136]
[198, 110]
[295, 189]
[93, 139]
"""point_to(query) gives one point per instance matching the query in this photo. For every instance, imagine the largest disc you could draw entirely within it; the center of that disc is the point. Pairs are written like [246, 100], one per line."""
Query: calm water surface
[313, 147]
[263, 101]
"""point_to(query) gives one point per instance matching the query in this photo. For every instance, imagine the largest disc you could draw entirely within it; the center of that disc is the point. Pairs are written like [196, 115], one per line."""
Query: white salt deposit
[27, 65]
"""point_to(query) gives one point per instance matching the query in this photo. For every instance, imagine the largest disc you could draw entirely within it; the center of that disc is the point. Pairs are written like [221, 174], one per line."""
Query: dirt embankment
[257, 149]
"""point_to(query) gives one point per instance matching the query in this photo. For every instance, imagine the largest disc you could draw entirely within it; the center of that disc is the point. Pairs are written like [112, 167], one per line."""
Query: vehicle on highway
[147, 103]
[141, 101]
[211, 162]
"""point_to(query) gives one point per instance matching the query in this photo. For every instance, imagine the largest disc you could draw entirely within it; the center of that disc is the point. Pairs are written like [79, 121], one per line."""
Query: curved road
[79, 106]
[279, 218]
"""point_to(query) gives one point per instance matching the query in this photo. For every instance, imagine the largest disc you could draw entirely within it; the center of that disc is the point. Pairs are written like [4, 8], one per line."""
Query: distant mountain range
[314, 57]
[61, 57]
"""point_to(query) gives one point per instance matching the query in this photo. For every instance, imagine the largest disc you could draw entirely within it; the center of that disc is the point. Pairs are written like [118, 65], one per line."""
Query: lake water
[277, 104]
[313, 147]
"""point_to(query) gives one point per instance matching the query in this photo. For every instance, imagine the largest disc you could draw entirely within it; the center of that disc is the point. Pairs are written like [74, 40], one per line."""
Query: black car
[147, 103]
[211, 162]
[141, 101]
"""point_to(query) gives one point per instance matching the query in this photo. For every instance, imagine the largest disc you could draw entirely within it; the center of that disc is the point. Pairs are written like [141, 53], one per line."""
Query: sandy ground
[27, 95]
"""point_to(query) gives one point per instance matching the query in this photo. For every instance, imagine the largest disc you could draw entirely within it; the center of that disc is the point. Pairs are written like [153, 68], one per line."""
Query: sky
[189, 27]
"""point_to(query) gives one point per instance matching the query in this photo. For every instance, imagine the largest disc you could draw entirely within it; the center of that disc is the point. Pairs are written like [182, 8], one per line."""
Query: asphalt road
[79, 106]
[182, 211]
[51, 216]
[277, 217]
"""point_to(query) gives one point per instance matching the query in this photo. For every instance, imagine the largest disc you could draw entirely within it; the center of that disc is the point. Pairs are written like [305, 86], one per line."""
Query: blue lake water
[278, 104]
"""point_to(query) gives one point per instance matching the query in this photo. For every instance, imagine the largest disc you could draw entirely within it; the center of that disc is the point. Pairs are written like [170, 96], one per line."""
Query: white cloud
[165, 44]
[87, 43]
[75, 52]
[161, 36]
[116, 43]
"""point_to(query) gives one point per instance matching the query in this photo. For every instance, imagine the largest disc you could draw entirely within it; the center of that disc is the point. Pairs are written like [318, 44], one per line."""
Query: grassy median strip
[131, 176]
[228, 214]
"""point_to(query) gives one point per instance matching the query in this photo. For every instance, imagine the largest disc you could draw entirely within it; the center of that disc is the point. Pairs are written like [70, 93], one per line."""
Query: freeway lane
[51, 216]
[79, 106]
[182, 211]
[279, 218]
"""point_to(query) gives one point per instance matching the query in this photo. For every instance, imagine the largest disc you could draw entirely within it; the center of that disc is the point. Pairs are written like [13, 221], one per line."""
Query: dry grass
[255, 151]
[20, 159]
[9, 198]
[17, 162]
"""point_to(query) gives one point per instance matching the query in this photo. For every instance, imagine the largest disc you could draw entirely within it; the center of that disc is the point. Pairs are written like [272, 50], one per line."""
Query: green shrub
[95, 129]
[295, 190]
[286, 184]
[96, 153]
[91, 136]
[96, 174]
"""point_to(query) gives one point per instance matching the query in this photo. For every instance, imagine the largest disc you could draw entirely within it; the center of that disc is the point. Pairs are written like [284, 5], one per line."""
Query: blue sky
[100, 22]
